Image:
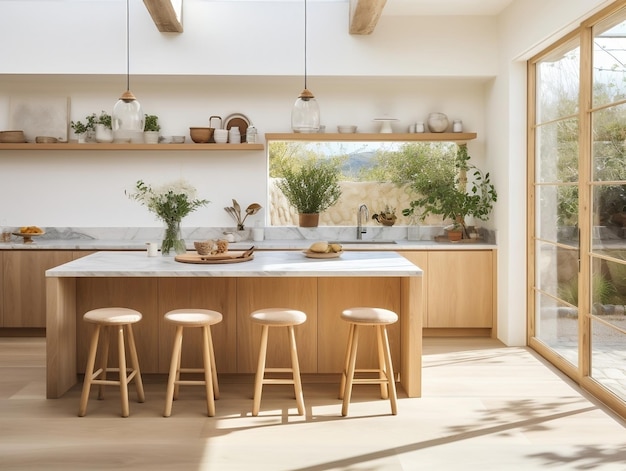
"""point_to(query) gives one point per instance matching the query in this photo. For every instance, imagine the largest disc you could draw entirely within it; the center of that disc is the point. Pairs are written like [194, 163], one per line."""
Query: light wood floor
[484, 407]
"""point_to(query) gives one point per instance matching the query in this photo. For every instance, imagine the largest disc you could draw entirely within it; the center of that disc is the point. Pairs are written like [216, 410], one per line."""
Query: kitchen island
[154, 285]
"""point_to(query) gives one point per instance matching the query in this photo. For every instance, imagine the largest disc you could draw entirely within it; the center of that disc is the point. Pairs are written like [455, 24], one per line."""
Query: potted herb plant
[442, 190]
[386, 217]
[151, 129]
[83, 130]
[104, 132]
[311, 186]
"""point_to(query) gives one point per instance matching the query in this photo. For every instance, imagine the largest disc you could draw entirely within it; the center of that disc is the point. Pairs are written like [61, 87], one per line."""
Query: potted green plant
[386, 217]
[442, 190]
[151, 129]
[104, 132]
[311, 186]
[83, 130]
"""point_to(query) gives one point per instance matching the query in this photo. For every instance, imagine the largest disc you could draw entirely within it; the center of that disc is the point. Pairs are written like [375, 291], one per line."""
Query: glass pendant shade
[305, 115]
[128, 119]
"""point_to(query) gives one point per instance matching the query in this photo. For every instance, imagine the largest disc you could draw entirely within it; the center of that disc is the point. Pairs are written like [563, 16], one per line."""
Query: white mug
[153, 249]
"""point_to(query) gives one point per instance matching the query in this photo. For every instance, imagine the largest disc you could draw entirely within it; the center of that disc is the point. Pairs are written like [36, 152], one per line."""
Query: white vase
[103, 134]
[151, 137]
[82, 138]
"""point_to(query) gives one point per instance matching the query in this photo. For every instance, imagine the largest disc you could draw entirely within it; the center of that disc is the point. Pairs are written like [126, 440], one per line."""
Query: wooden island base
[321, 339]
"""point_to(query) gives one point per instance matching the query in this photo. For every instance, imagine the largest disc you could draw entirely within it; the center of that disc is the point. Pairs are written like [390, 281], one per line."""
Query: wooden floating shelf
[111, 146]
[397, 137]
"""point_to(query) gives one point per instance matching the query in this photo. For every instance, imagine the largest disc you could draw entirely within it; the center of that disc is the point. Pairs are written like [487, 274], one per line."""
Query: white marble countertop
[278, 244]
[269, 263]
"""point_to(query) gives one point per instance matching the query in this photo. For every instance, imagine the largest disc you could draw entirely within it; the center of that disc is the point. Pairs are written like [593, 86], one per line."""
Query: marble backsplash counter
[275, 238]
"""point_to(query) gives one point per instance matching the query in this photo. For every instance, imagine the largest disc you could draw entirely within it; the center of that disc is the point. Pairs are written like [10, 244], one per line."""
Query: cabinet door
[1, 289]
[24, 285]
[460, 289]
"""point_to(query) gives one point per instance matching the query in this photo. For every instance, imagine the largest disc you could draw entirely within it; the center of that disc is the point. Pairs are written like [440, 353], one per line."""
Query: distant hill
[356, 161]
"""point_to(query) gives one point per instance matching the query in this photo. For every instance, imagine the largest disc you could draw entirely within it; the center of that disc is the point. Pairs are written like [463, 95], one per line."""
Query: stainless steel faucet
[360, 229]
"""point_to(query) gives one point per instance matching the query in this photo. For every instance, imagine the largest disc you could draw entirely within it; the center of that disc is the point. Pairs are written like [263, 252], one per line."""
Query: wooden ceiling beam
[364, 15]
[166, 14]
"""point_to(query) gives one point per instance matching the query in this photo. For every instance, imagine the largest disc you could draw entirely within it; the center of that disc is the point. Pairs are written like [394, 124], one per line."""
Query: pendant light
[127, 120]
[305, 115]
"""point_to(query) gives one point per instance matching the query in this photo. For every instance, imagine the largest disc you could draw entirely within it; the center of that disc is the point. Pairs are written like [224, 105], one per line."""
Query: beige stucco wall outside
[373, 194]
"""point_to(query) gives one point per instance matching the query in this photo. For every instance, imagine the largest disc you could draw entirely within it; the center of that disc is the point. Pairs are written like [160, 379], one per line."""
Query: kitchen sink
[363, 242]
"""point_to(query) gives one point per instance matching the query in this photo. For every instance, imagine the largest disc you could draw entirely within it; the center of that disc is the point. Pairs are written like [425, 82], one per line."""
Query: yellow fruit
[319, 247]
[335, 248]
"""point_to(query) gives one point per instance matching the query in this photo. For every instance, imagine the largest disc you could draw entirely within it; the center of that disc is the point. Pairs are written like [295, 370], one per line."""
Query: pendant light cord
[127, 46]
[305, 23]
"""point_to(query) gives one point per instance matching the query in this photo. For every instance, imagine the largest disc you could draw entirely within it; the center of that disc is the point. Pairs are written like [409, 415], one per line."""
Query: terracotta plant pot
[309, 220]
[455, 236]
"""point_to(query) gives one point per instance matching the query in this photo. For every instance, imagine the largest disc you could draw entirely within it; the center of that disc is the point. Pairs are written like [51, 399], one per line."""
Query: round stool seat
[193, 317]
[369, 316]
[278, 317]
[112, 316]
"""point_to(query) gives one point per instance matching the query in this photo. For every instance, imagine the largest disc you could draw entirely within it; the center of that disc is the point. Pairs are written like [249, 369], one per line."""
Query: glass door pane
[608, 206]
[556, 202]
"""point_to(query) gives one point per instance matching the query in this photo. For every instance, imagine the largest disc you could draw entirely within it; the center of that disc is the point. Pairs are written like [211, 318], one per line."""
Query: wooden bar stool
[380, 319]
[120, 318]
[278, 317]
[198, 318]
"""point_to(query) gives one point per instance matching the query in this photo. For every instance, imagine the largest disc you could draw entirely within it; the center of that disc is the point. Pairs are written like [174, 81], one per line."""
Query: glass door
[607, 254]
[555, 246]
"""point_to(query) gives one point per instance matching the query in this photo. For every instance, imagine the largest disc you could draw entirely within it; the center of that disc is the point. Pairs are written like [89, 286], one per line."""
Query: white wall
[92, 184]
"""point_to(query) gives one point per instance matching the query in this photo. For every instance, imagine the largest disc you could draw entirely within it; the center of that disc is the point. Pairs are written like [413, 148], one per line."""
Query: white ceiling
[444, 7]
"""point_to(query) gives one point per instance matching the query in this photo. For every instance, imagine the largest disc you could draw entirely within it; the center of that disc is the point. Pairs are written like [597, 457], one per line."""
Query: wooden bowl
[12, 136]
[201, 135]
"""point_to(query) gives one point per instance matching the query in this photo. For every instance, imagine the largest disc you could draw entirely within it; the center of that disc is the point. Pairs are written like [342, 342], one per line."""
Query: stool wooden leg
[121, 351]
[216, 387]
[174, 367]
[346, 363]
[104, 359]
[295, 366]
[382, 366]
[91, 362]
[390, 376]
[208, 376]
[350, 373]
[141, 397]
[260, 372]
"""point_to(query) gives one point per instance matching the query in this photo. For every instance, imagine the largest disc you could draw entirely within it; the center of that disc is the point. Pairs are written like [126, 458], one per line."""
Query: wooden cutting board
[235, 256]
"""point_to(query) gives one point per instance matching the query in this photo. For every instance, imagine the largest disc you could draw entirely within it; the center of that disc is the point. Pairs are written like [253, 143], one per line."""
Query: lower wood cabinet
[24, 285]
[459, 289]
[459, 293]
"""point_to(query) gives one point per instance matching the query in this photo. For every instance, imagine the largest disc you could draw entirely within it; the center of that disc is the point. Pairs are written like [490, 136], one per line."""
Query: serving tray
[226, 257]
[310, 254]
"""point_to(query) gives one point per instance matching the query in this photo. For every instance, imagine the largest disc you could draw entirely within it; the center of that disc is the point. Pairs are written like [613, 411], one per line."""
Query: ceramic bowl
[200, 135]
[346, 128]
[178, 139]
[220, 136]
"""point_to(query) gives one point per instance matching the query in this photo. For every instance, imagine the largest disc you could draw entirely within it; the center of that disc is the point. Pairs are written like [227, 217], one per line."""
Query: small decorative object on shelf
[85, 132]
[437, 122]
[151, 129]
[457, 125]
[386, 217]
[171, 203]
[235, 212]
[104, 132]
